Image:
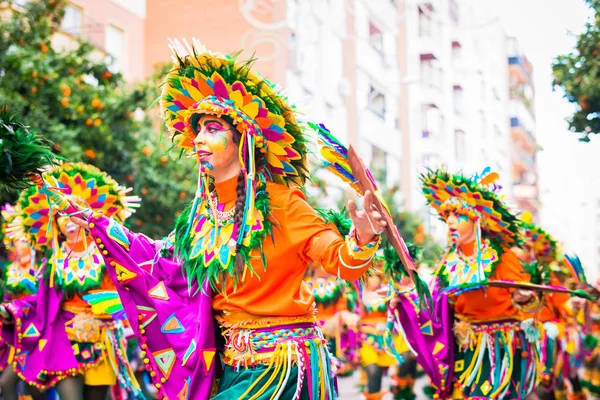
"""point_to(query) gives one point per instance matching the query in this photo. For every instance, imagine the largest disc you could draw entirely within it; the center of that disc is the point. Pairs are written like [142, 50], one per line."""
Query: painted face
[524, 253]
[460, 228]
[216, 151]
[373, 283]
[69, 229]
[23, 253]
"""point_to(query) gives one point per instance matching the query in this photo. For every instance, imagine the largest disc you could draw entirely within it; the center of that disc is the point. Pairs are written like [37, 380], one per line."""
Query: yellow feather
[489, 178]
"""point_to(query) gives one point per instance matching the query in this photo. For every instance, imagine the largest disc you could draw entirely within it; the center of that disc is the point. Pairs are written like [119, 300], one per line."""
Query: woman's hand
[369, 222]
[521, 296]
[5, 315]
[81, 218]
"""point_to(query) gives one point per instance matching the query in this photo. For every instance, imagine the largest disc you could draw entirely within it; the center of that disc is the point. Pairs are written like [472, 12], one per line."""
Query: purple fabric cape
[175, 327]
[431, 337]
[38, 334]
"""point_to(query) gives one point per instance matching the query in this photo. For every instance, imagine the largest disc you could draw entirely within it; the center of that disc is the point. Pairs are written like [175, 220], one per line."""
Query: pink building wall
[219, 25]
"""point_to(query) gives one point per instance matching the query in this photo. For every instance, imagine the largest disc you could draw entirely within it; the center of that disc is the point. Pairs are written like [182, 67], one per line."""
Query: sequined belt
[248, 347]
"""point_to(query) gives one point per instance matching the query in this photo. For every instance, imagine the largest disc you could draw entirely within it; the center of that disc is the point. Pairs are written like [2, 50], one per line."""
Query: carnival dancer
[574, 335]
[20, 279]
[539, 252]
[476, 344]
[374, 359]
[21, 275]
[403, 380]
[336, 301]
[591, 375]
[240, 251]
[59, 339]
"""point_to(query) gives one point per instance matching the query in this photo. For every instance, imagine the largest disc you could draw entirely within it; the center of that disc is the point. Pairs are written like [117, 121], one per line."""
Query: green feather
[338, 218]
[23, 152]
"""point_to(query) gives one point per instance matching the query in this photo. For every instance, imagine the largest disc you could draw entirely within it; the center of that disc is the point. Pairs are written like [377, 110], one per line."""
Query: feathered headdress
[81, 182]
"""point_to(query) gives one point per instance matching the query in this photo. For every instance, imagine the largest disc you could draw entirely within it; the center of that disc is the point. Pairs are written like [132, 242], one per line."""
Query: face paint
[216, 139]
[461, 228]
[215, 148]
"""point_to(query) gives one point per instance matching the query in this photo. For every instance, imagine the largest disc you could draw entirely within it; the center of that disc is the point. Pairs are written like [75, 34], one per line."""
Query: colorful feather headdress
[82, 182]
[476, 197]
[544, 246]
[202, 82]
[575, 268]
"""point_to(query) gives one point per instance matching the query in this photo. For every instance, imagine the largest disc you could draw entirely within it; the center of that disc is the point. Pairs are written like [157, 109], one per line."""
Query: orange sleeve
[317, 241]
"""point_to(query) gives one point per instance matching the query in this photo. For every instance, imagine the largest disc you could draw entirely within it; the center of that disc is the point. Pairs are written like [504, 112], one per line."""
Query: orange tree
[90, 113]
[578, 74]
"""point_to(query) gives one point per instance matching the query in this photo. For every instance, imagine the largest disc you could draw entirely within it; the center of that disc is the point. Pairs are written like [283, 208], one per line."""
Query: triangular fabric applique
[208, 356]
[183, 395]
[146, 315]
[159, 292]
[75, 348]
[42, 344]
[165, 360]
[427, 329]
[147, 266]
[21, 360]
[115, 232]
[438, 347]
[172, 325]
[123, 274]
[189, 352]
[31, 331]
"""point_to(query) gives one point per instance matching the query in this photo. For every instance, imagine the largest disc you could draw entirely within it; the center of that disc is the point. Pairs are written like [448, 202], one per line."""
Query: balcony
[521, 69]
[429, 48]
[524, 161]
[429, 5]
[520, 134]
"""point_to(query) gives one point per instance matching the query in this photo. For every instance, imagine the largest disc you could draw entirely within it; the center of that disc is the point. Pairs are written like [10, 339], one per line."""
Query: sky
[565, 165]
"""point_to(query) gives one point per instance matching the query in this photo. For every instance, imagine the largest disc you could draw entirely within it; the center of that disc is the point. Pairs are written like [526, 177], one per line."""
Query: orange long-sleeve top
[299, 236]
[491, 303]
[554, 305]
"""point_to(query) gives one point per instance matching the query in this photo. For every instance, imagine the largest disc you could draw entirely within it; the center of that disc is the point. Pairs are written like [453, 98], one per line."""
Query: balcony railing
[523, 65]
[516, 123]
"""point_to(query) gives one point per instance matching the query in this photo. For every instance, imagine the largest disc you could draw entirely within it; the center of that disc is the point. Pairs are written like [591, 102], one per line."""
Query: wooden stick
[365, 182]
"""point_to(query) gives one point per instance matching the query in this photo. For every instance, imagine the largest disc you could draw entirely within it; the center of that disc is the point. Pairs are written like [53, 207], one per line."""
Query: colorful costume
[336, 301]
[591, 376]
[477, 344]
[264, 312]
[57, 320]
[22, 274]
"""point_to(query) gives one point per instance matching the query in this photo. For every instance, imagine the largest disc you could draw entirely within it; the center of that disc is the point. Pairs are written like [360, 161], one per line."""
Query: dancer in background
[478, 343]
[59, 339]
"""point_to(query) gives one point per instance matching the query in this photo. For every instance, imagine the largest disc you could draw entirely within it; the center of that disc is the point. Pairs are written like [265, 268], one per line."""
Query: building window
[453, 10]
[72, 22]
[458, 98]
[115, 47]
[459, 145]
[376, 102]
[431, 74]
[378, 162]
[375, 38]
[432, 121]
[425, 23]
